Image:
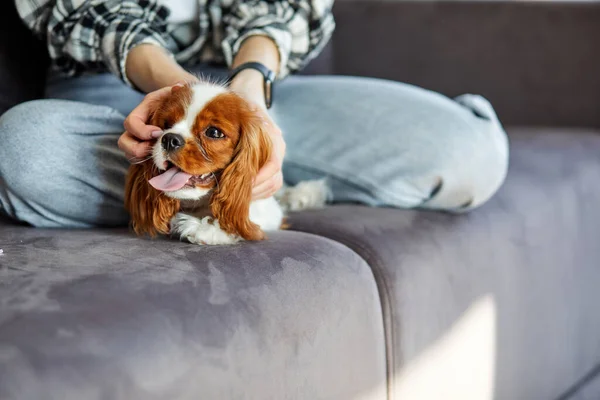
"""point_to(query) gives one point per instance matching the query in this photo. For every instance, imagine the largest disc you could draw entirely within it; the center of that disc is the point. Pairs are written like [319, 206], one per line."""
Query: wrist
[162, 79]
[150, 67]
[250, 84]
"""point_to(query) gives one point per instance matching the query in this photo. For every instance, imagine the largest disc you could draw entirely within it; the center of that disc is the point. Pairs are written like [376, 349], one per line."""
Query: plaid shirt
[96, 35]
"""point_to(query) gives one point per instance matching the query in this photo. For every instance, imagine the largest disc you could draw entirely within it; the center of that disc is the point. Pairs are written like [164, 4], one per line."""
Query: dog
[198, 182]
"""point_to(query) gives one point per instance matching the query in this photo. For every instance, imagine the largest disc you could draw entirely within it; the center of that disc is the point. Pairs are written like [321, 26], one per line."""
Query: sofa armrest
[538, 62]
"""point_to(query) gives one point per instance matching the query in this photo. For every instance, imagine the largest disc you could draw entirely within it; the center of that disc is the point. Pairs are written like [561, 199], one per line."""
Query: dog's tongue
[170, 180]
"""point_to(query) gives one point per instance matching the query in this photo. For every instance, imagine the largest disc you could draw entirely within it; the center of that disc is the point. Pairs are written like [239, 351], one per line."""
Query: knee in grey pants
[385, 143]
[60, 165]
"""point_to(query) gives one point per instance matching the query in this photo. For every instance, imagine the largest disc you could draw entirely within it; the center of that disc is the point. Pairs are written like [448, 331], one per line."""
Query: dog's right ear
[150, 210]
[230, 202]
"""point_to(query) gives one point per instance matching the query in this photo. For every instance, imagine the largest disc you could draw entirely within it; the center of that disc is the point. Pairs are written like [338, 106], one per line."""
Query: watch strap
[268, 75]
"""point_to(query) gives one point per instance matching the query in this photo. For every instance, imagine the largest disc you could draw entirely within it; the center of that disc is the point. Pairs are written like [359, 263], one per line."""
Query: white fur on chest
[199, 227]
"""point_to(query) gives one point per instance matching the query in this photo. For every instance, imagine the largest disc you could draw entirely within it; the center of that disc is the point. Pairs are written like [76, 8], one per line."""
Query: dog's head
[213, 143]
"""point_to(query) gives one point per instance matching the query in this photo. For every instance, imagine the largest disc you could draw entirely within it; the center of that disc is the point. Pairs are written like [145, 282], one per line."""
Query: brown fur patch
[171, 109]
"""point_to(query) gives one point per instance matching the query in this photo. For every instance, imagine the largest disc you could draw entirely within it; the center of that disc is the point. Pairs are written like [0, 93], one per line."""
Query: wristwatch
[269, 78]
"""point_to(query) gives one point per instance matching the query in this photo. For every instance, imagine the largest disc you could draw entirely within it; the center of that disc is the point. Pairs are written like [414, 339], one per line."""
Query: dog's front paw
[201, 231]
[305, 195]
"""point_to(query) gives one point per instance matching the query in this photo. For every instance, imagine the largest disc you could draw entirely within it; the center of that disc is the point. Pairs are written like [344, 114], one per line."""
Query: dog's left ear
[150, 210]
[230, 203]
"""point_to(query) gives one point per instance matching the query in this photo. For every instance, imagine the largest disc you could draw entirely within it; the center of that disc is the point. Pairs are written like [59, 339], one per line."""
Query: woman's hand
[135, 142]
[249, 84]
[270, 177]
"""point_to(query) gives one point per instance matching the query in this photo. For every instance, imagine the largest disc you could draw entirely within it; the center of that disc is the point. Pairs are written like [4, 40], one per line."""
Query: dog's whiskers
[132, 160]
[204, 154]
[216, 180]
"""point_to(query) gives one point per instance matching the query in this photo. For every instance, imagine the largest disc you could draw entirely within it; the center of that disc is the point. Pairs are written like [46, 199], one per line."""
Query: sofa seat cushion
[509, 291]
[99, 314]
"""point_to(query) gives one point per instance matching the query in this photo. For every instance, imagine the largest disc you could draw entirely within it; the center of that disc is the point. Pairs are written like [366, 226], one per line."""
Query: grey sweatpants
[379, 143]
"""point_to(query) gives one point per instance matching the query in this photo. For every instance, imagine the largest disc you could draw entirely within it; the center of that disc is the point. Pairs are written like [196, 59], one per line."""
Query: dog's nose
[172, 141]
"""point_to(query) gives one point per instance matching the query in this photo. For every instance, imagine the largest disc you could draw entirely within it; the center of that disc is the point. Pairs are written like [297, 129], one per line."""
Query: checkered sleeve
[94, 34]
[300, 28]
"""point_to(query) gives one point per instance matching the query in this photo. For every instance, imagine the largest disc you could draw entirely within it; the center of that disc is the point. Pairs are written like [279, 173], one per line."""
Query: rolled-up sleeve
[95, 34]
[299, 28]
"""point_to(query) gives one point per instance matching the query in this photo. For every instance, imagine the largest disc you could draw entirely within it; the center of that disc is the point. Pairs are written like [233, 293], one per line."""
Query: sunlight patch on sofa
[460, 364]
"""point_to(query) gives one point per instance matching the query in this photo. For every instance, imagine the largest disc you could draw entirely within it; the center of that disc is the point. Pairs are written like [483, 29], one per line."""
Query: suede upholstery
[354, 302]
[532, 252]
[104, 315]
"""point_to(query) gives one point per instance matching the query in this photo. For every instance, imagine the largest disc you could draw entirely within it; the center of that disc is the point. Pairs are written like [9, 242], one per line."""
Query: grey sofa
[352, 302]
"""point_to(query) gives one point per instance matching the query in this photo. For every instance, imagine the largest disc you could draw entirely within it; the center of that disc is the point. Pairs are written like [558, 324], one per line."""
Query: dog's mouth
[201, 180]
[176, 179]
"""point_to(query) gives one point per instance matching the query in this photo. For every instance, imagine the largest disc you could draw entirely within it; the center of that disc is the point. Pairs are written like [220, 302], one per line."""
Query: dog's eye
[214, 133]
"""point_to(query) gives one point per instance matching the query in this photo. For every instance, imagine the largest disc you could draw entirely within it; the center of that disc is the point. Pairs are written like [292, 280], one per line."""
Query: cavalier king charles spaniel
[198, 182]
